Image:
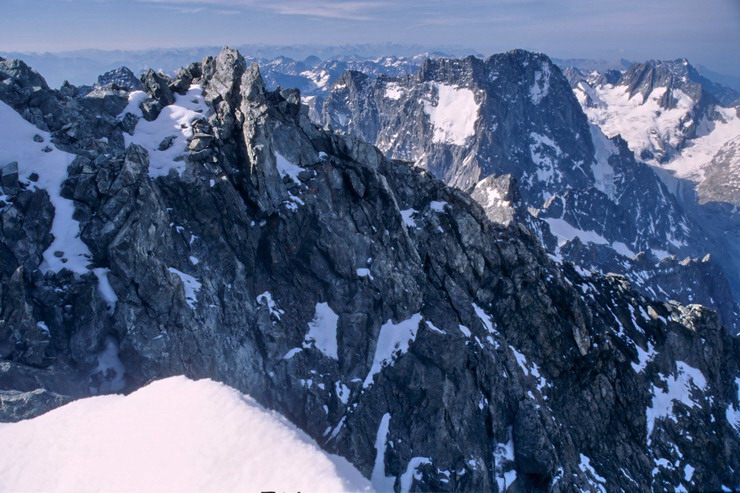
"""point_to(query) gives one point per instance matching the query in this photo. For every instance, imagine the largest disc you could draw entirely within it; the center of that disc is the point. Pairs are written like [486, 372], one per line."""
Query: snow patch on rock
[503, 460]
[541, 86]
[602, 170]
[393, 341]
[454, 114]
[67, 251]
[678, 389]
[190, 284]
[322, 330]
[174, 120]
[394, 91]
[286, 168]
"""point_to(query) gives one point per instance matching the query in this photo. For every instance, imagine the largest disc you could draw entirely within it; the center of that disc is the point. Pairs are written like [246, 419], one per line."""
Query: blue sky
[705, 31]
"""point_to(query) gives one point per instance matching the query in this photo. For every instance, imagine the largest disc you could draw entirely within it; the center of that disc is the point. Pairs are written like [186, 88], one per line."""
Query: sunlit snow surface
[712, 136]
[454, 114]
[175, 435]
[17, 144]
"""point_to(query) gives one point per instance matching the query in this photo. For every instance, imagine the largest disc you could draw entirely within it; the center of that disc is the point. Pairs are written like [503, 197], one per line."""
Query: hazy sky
[705, 31]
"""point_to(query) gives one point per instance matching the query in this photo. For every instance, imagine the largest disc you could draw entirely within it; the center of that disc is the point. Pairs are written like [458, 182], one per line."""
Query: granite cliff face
[206, 227]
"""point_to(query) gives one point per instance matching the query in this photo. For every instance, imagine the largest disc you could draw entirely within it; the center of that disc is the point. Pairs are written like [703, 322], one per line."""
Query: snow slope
[39, 156]
[712, 136]
[174, 435]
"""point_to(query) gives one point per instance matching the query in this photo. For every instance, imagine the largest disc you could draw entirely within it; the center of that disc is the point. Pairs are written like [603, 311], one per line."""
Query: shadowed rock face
[375, 307]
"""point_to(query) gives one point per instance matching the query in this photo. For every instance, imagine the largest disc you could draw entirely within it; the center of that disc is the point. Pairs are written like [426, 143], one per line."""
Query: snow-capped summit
[173, 435]
[663, 110]
[122, 77]
[688, 129]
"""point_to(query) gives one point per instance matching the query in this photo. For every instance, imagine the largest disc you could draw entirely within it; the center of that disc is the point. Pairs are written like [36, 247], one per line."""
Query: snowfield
[174, 435]
[454, 115]
[642, 122]
[646, 126]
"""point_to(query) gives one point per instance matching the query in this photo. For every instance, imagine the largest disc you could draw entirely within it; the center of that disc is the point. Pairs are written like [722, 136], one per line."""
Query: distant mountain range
[82, 67]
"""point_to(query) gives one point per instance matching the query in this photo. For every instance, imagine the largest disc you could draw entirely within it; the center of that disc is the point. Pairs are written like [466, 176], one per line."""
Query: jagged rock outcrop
[378, 309]
[121, 77]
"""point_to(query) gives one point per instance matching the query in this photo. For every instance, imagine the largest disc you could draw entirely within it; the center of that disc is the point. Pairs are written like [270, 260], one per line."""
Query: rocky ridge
[378, 309]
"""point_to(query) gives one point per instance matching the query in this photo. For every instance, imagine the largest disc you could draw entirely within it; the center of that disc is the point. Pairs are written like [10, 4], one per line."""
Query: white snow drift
[175, 435]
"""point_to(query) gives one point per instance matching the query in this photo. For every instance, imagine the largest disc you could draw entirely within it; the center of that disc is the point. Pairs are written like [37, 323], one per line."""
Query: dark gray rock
[184, 77]
[157, 85]
[167, 142]
[9, 184]
[17, 406]
[150, 109]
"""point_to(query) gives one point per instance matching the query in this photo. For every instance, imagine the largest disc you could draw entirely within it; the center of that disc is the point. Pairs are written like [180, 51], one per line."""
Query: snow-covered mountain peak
[515, 114]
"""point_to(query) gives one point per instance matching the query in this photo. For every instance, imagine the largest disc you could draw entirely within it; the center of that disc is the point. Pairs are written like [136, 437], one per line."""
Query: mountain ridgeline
[206, 226]
[606, 210]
